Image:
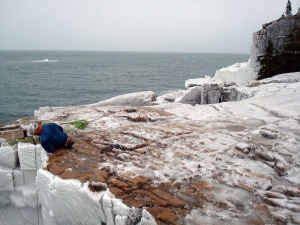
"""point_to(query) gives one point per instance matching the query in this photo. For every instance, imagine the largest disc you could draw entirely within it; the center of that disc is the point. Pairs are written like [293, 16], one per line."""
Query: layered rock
[277, 32]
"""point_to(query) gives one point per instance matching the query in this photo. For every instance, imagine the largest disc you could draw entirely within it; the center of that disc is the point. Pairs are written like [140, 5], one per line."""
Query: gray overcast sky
[208, 26]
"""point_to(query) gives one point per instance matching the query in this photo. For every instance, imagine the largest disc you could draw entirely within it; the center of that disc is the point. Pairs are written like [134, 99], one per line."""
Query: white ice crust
[18, 196]
[6, 179]
[8, 157]
[71, 202]
[130, 99]
[240, 73]
[30, 157]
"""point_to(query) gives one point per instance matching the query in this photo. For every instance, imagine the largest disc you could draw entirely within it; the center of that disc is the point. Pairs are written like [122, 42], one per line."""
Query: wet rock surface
[232, 163]
[185, 166]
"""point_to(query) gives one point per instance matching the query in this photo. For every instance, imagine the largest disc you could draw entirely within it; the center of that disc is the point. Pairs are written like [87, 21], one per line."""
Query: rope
[37, 196]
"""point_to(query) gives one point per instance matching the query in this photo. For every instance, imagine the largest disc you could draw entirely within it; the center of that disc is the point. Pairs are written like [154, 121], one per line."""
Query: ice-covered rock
[8, 157]
[42, 111]
[207, 80]
[19, 216]
[18, 196]
[6, 179]
[18, 177]
[71, 202]
[130, 99]
[170, 96]
[192, 96]
[206, 94]
[4, 199]
[29, 156]
[175, 164]
[239, 73]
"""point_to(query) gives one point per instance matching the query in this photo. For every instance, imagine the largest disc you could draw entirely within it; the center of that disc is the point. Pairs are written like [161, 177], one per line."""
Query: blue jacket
[52, 137]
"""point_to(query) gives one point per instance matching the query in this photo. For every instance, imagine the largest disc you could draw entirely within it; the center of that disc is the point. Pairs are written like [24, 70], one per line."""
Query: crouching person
[51, 135]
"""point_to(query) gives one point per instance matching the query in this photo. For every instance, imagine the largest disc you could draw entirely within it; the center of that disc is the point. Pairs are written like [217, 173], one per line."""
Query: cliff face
[278, 33]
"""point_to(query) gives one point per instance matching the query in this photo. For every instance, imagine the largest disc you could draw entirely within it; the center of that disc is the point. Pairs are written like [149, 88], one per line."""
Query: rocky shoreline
[234, 162]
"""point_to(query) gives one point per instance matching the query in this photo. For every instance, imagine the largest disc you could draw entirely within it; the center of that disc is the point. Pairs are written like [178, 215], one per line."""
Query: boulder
[131, 99]
[193, 96]
[8, 157]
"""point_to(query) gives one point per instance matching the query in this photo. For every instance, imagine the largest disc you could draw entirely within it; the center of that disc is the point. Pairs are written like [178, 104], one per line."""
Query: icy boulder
[29, 156]
[170, 97]
[208, 94]
[131, 99]
[71, 202]
[42, 111]
[207, 80]
[8, 157]
[240, 73]
[18, 177]
[18, 196]
[6, 179]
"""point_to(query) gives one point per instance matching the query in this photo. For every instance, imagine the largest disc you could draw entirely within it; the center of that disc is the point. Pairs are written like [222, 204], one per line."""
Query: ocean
[31, 79]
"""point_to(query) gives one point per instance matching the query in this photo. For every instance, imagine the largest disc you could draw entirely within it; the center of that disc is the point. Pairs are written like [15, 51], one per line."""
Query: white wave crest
[47, 60]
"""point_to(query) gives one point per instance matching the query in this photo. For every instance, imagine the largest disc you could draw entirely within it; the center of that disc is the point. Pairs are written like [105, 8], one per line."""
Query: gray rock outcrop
[206, 94]
[277, 31]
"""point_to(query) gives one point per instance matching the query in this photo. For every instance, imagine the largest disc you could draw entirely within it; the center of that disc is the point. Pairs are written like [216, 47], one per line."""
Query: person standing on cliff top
[51, 135]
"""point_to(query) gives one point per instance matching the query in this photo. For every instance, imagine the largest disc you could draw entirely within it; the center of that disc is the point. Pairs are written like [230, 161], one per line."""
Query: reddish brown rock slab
[97, 187]
[83, 148]
[70, 174]
[57, 168]
[139, 181]
[136, 203]
[83, 165]
[59, 156]
[11, 134]
[95, 176]
[118, 183]
[118, 193]
[163, 215]
[172, 200]
[157, 201]
[84, 174]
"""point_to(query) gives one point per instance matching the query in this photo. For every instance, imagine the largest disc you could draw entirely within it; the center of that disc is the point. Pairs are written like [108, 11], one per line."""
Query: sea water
[31, 79]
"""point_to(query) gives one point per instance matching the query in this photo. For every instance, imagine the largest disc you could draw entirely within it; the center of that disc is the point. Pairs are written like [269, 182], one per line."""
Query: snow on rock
[130, 99]
[18, 216]
[30, 156]
[18, 177]
[4, 198]
[8, 157]
[68, 201]
[42, 111]
[190, 164]
[208, 94]
[239, 73]
[202, 82]
[6, 179]
[199, 91]
[236, 162]
[169, 97]
[147, 219]
[18, 196]
[71, 202]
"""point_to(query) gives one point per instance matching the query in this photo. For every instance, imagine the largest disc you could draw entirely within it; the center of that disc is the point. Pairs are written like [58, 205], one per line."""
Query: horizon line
[131, 51]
